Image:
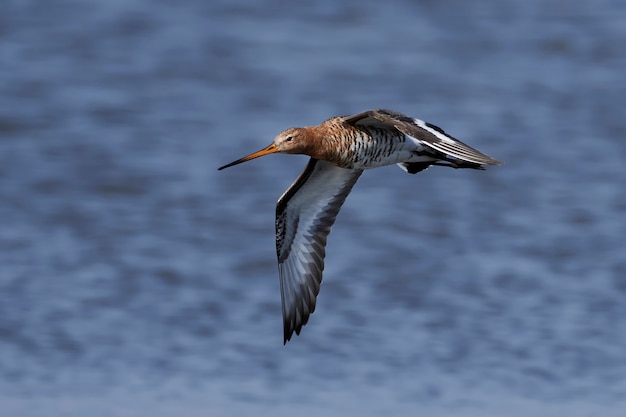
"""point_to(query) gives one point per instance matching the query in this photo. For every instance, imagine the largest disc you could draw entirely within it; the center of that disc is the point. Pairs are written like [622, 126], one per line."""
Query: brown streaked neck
[328, 141]
[314, 141]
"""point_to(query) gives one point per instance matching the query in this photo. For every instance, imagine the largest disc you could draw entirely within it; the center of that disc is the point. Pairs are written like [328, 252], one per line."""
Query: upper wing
[305, 214]
[425, 133]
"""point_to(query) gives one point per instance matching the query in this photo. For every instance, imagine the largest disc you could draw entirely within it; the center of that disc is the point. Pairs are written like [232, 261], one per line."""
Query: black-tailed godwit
[341, 148]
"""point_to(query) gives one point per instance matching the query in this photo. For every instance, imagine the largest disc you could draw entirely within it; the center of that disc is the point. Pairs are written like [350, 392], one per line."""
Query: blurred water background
[136, 280]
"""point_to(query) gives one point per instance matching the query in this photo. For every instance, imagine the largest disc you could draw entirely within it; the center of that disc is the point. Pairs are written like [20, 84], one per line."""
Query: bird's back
[363, 147]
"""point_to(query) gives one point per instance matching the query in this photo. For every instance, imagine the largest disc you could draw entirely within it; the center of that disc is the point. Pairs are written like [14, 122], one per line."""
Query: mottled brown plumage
[341, 148]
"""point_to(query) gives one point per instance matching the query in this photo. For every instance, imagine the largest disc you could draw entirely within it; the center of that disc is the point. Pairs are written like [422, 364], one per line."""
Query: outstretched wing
[305, 214]
[423, 133]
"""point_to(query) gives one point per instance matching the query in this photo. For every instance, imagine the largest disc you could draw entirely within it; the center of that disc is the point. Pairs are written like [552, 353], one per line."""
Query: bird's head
[293, 140]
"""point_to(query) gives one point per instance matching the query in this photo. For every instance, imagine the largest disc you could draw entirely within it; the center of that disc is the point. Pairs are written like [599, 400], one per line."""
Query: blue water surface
[137, 280]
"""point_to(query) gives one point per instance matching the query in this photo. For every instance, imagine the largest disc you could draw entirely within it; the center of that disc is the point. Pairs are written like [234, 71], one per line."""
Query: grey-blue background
[136, 280]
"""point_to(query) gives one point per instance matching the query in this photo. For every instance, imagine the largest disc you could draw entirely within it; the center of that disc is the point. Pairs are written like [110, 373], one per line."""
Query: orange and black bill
[265, 151]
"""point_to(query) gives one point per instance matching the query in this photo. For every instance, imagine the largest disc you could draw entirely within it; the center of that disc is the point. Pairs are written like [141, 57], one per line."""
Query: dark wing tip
[295, 320]
[484, 160]
[496, 162]
[489, 160]
[289, 331]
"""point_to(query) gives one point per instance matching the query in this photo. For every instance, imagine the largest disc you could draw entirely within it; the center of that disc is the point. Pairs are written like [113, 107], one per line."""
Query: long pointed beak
[265, 151]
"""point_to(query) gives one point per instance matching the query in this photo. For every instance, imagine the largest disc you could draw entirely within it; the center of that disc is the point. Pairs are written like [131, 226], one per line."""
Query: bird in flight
[341, 148]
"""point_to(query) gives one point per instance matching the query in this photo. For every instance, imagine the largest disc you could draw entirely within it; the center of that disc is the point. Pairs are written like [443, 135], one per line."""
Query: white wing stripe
[434, 132]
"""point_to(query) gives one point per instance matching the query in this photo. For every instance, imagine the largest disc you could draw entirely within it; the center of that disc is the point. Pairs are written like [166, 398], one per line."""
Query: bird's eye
[288, 138]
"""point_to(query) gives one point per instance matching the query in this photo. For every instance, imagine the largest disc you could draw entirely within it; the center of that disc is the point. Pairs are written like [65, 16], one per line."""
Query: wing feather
[424, 133]
[305, 214]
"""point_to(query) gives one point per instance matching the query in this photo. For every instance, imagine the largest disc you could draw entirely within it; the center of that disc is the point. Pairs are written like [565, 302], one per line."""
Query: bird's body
[341, 148]
[351, 147]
